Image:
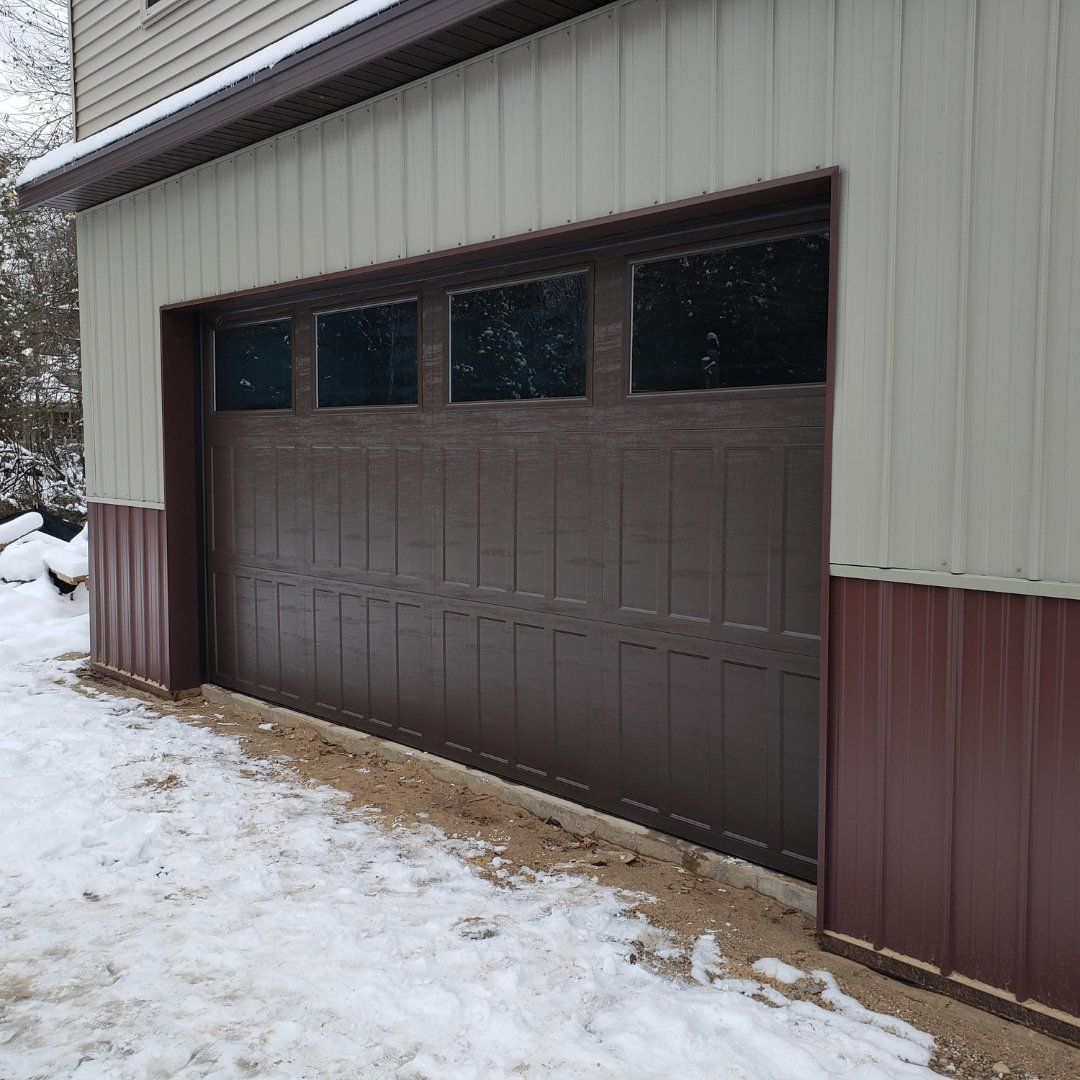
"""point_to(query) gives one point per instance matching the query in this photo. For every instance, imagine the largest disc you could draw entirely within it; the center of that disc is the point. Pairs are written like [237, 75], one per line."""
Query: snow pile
[16, 528]
[33, 554]
[72, 560]
[264, 59]
[171, 907]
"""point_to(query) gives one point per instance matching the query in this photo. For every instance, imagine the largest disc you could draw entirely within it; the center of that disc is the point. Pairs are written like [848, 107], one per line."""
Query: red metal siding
[953, 783]
[129, 600]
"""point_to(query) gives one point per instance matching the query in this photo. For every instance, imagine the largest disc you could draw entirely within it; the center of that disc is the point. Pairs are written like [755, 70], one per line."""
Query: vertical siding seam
[830, 85]
[888, 389]
[403, 154]
[714, 97]
[575, 141]
[958, 557]
[1036, 520]
[615, 15]
[665, 104]
[884, 709]
[953, 696]
[1032, 652]
[769, 165]
[537, 168]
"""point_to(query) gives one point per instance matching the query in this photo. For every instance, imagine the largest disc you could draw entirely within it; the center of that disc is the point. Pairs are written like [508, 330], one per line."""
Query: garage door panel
[691, 533]
[747, 742]
[259, 639]
[521, 526]
[368, 519]
[256, 500]
[521, 695]
[222, 643]
[749, 550]
[798, 761]
[613, 597]
[715, 541]
[369, 659]
[800, 590]
[714, 741]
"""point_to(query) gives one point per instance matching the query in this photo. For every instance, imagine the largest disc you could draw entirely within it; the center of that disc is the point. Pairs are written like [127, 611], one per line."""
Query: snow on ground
[170, 907]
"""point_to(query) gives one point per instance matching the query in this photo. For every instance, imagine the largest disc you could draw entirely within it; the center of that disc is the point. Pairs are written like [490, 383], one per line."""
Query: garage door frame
[181, 413]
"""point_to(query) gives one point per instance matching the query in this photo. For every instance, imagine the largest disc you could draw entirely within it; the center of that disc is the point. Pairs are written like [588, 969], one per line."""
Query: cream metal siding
[955, 123]
[123, 62]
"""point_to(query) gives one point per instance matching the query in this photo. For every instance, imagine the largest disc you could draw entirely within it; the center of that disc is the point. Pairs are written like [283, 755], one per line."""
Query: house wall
[956, 126]
[951, 754]
[125, 57]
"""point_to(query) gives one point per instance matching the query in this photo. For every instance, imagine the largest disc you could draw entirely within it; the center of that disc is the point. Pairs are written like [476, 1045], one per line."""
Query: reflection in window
[367, 356]
[741, 316]
[516, 342]
[253, 366]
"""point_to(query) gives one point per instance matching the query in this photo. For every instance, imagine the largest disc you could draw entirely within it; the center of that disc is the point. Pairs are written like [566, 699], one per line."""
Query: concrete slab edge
[639, 839]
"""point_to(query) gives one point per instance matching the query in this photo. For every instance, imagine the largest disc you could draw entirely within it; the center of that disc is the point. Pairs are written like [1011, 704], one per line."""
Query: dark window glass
[515, 342]
[745, 316]
[367, 356]
[253, 366]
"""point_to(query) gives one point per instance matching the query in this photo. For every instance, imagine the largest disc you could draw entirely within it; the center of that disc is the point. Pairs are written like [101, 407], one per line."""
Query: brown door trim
[783, 199]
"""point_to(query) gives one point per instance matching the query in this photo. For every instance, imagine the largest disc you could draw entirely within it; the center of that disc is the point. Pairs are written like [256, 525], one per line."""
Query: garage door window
[738, 316]
[520, 341]
[253, 366]
[367, 355]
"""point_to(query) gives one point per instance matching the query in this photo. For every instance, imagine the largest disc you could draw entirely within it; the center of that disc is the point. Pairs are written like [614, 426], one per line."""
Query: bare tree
[40, 397]
[35, 76]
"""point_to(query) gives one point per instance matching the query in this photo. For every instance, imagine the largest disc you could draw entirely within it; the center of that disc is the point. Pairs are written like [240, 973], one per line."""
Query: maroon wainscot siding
[953, 792]
[134, 613]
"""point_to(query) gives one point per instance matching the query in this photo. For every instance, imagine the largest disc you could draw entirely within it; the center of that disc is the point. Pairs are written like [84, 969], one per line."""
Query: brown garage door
[560, 520]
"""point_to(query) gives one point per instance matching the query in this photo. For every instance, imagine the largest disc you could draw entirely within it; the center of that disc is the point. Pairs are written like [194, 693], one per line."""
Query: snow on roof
[265, 58]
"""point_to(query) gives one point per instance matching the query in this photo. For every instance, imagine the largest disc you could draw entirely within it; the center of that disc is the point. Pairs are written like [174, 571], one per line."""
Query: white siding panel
[927, 263]
[481, 164]
[558, 128]
[518, 126]
[643, 69]
[448, 162]
[1060, 478]
[419, 181]
[690, 124]
[598, 152]
[955, 125]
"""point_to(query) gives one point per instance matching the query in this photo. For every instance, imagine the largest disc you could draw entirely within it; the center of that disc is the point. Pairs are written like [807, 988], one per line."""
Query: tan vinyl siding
[124, 62]
[956, 127]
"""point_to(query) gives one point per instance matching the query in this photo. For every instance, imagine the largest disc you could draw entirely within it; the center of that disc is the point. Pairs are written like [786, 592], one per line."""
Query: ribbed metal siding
[123, 64]
[952, 799]
[956, 127]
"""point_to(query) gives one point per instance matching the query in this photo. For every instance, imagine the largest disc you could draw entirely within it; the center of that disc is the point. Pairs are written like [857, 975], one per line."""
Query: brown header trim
[781, 196]
[392, 48]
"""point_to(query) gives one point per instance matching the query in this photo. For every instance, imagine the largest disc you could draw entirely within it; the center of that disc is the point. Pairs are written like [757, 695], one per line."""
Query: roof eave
[200, 132]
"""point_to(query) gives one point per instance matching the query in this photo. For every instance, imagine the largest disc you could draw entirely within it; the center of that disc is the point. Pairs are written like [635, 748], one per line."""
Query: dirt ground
[747, 926]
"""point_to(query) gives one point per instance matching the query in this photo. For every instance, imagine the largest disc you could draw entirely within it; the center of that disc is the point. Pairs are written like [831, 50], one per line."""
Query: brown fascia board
[261, 106]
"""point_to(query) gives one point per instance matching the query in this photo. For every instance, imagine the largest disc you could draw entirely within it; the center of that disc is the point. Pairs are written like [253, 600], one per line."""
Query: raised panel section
[369, 659]
[521, 695]
[748, 521]
[520, 525]
[716, 741]
[367, 512]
